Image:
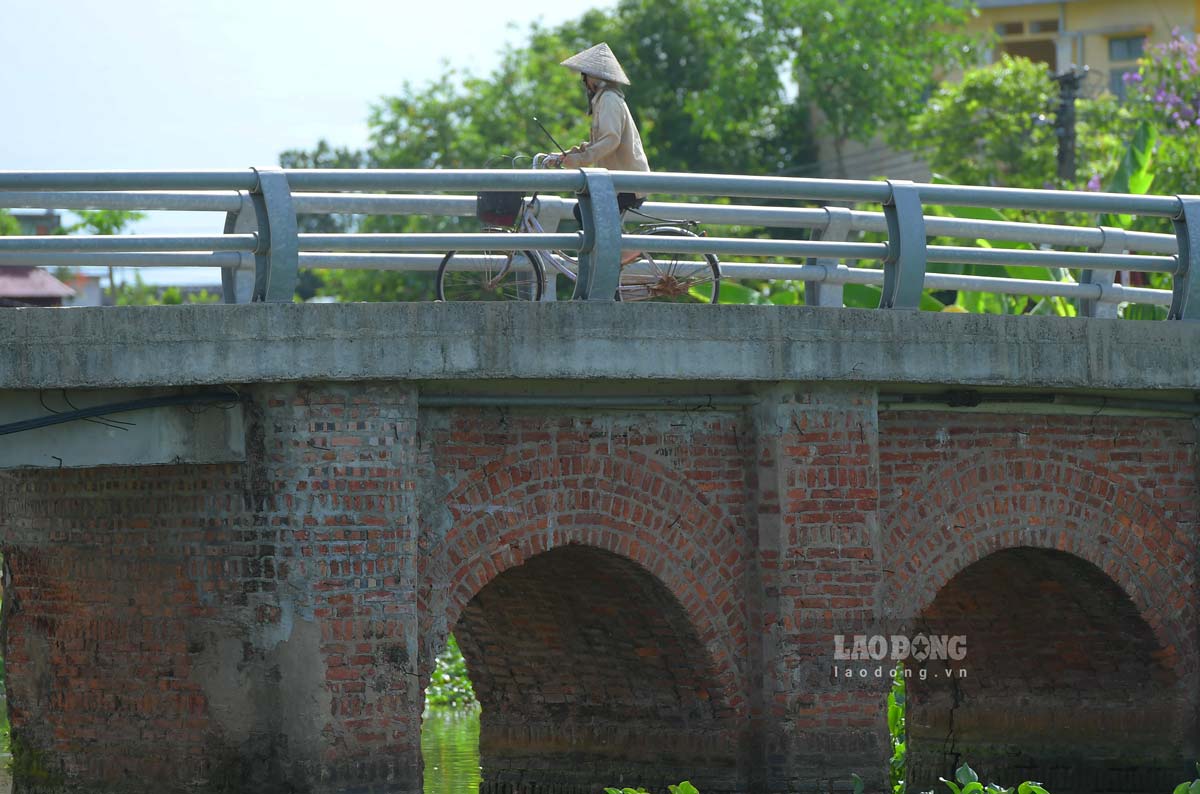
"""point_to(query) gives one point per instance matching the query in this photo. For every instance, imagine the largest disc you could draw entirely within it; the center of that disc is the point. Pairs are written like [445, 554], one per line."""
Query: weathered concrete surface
[128, 347]
[163, 434]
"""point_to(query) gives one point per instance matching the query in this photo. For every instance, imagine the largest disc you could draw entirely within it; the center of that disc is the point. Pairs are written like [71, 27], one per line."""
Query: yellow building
[1107, 36]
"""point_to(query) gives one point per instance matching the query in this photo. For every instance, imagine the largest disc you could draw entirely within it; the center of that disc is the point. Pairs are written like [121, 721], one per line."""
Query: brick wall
[657, 500]
[818, 498]
[580, 653]
[640, 593]
[105, 622]
[1087, 633]
[207, 628]
[1062, 682]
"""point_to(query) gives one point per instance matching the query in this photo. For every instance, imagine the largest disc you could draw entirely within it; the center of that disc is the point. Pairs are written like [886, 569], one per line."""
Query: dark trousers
[625, 201]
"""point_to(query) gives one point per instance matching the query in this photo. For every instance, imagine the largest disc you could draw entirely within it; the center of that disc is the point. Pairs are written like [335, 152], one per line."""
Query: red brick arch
[958, 515]
[536, 498]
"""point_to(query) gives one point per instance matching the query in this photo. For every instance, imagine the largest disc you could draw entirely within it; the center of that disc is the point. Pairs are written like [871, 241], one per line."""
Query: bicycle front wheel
[673, 278]
[490, 276]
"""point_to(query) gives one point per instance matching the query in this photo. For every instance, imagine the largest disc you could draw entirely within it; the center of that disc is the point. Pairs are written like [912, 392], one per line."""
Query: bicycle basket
[498, 208]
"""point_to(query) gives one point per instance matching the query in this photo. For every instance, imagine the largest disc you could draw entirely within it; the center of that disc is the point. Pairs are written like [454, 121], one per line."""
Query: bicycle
[505, 276]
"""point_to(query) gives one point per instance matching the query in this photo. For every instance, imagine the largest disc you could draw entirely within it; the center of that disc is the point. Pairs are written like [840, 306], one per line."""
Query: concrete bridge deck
[648, 585]
[259, 343]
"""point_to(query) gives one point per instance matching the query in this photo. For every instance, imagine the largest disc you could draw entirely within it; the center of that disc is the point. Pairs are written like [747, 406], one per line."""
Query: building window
[1127, 48]
[1036, 50]
[1035, 40]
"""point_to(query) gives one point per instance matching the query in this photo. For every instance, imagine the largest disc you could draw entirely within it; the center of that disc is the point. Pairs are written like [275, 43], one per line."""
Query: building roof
[31, 282]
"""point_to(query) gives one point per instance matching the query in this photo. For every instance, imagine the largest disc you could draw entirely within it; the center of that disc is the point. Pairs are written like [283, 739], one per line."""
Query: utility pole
[1068, 89]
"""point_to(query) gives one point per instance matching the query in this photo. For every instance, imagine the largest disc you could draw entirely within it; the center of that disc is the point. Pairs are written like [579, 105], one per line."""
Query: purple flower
[1093, 184]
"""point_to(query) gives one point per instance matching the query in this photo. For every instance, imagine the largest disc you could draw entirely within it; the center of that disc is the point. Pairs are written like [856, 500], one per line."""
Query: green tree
[8, 224]
[868, 65]
[323, 156]
[996, 126]
[707, 95]
[106, 222]
[449, 684]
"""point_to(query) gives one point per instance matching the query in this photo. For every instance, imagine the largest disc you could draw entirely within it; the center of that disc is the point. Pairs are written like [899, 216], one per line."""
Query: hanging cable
[228, 397]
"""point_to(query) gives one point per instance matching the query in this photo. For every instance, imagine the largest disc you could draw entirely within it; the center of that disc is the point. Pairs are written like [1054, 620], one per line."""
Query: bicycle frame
[553, 262]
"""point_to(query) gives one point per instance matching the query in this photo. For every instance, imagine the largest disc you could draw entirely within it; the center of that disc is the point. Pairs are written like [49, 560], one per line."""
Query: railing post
[829, 293]
[600, 257]
[1185, 300]
[282, 243]
[904, 268]
[240, 285]
[1114, 243]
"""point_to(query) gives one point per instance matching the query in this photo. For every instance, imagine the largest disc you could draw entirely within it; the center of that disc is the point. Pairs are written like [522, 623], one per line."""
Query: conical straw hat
[598, 61]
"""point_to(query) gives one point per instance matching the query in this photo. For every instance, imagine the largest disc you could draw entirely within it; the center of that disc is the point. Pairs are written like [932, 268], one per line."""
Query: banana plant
[1134, 175]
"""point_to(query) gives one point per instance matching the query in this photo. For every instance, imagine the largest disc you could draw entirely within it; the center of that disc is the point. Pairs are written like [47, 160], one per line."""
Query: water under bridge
[656, 529]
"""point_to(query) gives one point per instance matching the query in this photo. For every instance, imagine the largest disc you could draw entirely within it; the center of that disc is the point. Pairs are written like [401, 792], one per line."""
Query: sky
[195, 84]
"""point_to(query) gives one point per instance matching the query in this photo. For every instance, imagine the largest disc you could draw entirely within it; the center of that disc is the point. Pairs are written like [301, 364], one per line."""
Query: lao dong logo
[900, 648]
[897, 649]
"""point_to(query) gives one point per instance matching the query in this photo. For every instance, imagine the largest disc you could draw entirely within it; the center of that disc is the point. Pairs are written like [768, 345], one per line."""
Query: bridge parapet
[261, 251]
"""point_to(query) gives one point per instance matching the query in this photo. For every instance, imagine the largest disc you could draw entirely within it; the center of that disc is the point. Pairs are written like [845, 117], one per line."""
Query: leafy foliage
[8, 224]
[897, 708]
[1165, 93]
[110, 222]
[996, 126]
[867, 65]
[323, 156]
[139, 293]
[681, 788]
[450, 685]
[104, 221]
[1186, 787]
[705, 96]
[968, 783]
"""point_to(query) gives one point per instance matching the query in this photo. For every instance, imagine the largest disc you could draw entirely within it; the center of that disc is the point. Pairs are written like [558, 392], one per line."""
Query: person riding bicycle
[615, 143]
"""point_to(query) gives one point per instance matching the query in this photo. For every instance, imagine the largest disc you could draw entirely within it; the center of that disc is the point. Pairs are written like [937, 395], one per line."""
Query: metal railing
[260, 250]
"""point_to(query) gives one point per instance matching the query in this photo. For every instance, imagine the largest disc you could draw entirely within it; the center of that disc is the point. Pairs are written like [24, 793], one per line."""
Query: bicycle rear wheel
[489, 276]
[673, 278]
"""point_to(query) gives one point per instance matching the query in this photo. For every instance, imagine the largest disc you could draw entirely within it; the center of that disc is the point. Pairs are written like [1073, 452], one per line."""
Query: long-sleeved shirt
[615, 144]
